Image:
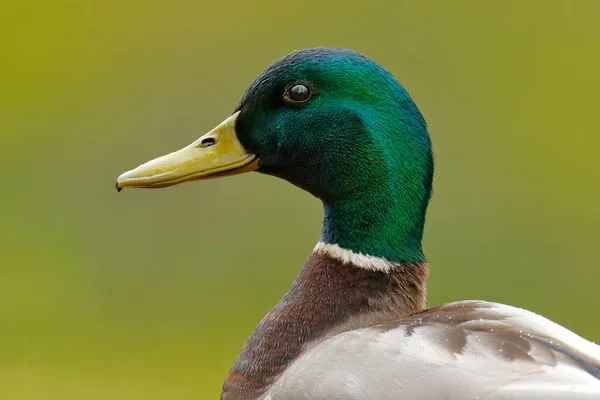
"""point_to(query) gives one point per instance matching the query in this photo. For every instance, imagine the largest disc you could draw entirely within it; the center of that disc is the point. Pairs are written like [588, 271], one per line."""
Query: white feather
[360, 260]
[391, 363]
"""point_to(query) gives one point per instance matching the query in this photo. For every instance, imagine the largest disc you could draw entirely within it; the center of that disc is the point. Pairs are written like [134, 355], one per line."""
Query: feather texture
[463, 350]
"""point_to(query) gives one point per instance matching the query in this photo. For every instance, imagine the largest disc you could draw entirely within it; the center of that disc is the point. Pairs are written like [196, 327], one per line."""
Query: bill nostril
[208, 142]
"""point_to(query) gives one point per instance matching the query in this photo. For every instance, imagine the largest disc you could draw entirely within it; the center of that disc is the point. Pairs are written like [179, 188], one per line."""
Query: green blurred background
[150, 294]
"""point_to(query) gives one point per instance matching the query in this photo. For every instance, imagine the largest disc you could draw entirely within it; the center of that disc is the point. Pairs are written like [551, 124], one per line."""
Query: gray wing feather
[465, 350]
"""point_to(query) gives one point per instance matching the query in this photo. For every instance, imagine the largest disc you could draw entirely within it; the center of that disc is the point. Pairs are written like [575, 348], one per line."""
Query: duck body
[354, 324]
[463, 350]
[349, 331]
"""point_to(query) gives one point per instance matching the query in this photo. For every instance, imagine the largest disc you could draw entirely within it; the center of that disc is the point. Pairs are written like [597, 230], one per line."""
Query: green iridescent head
[338, 125]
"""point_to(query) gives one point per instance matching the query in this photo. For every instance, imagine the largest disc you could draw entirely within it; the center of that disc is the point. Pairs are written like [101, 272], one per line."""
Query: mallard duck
[354, 324]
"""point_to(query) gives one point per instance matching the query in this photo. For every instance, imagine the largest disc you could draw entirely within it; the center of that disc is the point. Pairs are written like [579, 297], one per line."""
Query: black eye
[298, 93]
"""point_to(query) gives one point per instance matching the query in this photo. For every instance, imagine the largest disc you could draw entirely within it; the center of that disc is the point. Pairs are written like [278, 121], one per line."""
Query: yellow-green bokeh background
[150, 294]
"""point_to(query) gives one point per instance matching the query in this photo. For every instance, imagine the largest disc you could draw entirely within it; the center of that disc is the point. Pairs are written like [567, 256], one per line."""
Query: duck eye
[298, 93]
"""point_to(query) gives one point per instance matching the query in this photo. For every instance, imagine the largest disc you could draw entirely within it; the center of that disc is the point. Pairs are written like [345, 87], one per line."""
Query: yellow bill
[218, 153]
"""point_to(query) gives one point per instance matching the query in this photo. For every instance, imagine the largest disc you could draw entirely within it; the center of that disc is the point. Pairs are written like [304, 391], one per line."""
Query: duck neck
[336, 290]
[382, 223]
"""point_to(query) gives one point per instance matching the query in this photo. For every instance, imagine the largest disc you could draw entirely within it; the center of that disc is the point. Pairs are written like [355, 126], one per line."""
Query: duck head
[336, 124]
